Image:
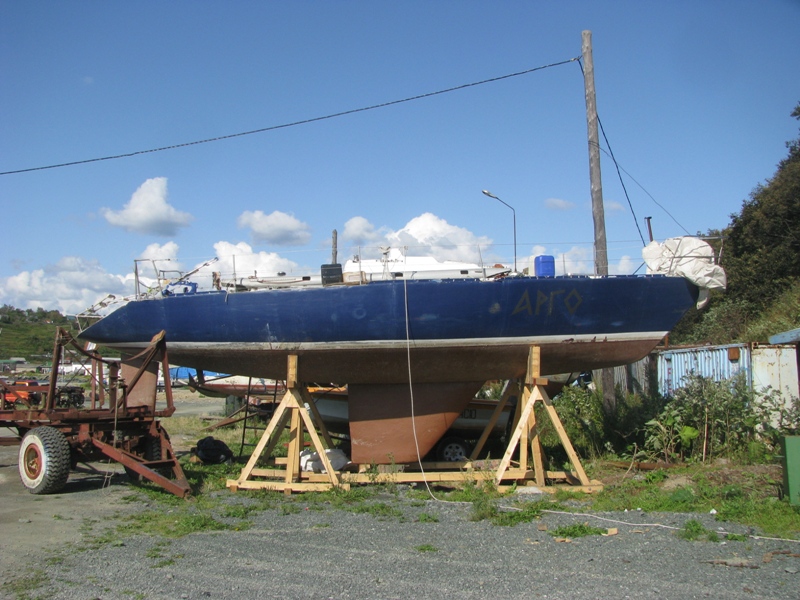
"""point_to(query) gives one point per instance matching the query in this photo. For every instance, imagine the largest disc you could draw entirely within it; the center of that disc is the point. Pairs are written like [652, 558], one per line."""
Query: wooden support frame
[292, 412]
[526, 436]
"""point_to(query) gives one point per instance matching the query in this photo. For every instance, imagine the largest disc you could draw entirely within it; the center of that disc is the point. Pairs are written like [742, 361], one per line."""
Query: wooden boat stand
[291, 411]
[527, 470]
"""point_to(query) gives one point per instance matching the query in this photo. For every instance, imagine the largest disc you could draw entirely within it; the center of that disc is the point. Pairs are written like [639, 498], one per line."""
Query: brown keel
[381, 425]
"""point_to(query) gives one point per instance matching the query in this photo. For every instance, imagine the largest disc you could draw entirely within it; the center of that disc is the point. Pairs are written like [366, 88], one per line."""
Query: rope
[411, 393]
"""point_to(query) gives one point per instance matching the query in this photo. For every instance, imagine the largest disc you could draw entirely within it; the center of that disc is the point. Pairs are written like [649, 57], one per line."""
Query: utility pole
[600, 247]
[598, 214]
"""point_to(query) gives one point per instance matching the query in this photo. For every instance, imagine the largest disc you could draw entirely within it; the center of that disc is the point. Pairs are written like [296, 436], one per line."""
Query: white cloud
[426, 234]
[611, 206]
[360, 231]
[148, 211]
[625, 266]
[74, 283]
[156, 251]
[575, 261]
[241, 260]
[70, 286]
[559, 204]
[277, 228]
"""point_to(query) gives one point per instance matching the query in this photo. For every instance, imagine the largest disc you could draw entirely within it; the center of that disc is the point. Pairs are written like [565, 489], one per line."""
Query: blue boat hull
[430, 330]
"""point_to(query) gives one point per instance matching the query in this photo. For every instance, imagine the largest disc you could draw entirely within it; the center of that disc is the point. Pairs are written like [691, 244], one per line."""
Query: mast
[600, 247]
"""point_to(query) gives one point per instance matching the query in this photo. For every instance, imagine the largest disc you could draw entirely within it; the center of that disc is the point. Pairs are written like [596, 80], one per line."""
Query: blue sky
[695, 98]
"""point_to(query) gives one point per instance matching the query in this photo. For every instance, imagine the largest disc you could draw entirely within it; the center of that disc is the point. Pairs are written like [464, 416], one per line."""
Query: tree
[760, 254]
[763, 242]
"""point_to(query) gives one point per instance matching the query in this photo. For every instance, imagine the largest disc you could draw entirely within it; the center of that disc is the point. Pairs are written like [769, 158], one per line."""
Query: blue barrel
[544, 266]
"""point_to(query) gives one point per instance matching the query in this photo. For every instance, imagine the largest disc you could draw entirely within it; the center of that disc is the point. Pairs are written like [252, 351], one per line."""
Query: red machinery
[120, 421]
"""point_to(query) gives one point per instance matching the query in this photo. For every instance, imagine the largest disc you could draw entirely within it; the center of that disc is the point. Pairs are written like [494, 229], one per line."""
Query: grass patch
[170, 525]
[426, 548]
[740, 493]
[693, 531]
[564, 495]
[379, 510]
[737, 495]
[21, 587]
[427, 518]
[523, 513]
[241, 511]
[576, 531]
[167, 562]
[157, 550]
[341, 498]
[289, 509]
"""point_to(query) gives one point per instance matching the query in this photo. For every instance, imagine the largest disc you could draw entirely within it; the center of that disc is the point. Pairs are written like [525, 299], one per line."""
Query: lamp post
[514, 213]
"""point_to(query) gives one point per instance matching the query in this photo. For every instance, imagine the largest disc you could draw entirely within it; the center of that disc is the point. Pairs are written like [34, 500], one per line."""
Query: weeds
[23, 586]
[750, 500]
[380, 510]
[576, 531]
[523, 513]
[709, 418]
[693, 530]
[426, 518]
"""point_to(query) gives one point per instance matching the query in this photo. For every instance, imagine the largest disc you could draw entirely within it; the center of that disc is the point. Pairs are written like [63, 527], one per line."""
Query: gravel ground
[49, 549]
[325, 552]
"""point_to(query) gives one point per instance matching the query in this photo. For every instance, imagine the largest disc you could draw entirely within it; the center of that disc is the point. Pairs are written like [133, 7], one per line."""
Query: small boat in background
[236, 385]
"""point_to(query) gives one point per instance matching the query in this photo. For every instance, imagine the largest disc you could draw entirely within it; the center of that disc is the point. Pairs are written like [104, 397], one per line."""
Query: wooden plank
[317, 442]
[534, 365]
[277, 418]
[429, 476]
[498, 410]
[275, 486]
[295, 441]
[562, 434]
[291, 371]
[515, 437]
[307, 399]
[536, 447]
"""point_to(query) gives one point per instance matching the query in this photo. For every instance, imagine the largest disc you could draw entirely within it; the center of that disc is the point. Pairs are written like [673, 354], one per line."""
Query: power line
[657, 203]
[293, 124]
[610, 153]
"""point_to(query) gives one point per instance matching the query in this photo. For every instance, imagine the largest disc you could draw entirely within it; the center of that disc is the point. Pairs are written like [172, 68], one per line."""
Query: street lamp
[514, 213]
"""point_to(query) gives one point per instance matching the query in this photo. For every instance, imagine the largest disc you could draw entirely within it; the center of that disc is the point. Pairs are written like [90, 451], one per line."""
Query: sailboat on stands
[414, 340]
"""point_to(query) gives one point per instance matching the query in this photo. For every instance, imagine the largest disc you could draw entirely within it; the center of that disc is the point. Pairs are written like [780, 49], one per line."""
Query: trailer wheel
[44, 460]
[452, 449]
[149, 449]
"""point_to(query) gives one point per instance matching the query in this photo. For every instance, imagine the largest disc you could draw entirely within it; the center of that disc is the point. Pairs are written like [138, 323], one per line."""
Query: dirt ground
[31, 524]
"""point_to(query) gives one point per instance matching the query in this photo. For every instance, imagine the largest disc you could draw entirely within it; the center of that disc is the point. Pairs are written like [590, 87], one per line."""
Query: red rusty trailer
[120, 421]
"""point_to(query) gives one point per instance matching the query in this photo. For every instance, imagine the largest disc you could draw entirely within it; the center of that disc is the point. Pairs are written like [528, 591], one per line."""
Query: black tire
[150, 449]
[44, 460]
[452, 449]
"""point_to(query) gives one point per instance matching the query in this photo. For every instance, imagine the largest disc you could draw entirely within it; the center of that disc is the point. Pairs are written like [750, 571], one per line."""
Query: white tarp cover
[687, 257]
[311, 461]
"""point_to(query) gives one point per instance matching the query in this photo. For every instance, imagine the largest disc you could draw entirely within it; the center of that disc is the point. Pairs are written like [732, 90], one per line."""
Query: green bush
[708, 419]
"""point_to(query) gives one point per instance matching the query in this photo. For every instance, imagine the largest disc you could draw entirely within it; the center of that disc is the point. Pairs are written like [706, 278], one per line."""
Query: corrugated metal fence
[763, 365]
